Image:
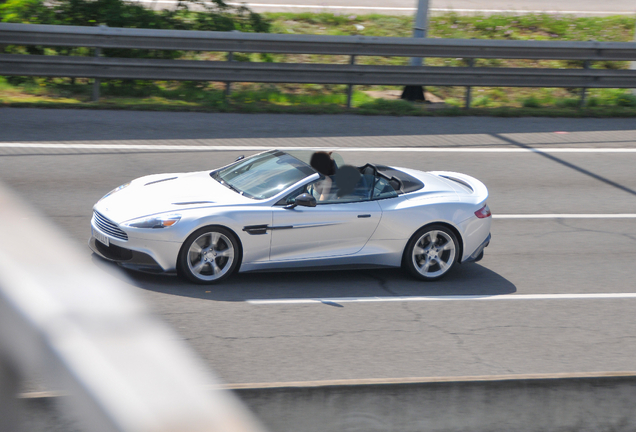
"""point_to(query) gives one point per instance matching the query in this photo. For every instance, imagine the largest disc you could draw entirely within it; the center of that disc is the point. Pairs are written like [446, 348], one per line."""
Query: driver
[323, 163]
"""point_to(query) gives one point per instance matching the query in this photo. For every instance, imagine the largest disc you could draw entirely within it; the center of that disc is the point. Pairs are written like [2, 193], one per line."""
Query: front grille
[114, 252]
[109, 227]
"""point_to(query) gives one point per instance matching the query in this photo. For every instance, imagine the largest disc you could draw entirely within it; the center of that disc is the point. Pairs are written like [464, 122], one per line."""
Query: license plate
[100, 237]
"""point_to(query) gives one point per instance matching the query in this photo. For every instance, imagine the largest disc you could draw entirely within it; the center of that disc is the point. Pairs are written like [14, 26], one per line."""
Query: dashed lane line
[336, 301]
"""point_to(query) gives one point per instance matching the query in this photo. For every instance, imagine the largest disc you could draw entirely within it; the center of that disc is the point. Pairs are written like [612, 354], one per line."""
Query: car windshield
[263, 175]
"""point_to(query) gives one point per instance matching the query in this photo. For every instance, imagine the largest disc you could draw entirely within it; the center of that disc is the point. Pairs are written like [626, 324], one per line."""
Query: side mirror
[305, 200]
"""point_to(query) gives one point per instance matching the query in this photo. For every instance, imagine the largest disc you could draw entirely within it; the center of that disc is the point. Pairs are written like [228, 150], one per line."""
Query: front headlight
[117, 189]
[161, 221]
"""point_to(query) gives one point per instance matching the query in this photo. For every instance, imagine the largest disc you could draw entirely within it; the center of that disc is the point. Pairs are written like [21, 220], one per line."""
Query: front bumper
[126, 258]
[479, 252]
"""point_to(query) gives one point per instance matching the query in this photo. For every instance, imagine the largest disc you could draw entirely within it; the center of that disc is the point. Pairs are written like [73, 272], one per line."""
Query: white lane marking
[167, 147]
[443, 298]
[406, 9]
[566, 216]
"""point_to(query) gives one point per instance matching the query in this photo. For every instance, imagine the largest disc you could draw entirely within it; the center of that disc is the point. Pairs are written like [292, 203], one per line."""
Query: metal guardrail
[87, 335]
[351, 74]
[107, 37]
[104, 68]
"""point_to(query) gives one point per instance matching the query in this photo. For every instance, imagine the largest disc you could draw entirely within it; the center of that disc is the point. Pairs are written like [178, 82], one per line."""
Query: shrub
[453, 102]
[215, 16]
[482, 101]
[626, 100]
[531, 102]
[593, 102]
[568, 103]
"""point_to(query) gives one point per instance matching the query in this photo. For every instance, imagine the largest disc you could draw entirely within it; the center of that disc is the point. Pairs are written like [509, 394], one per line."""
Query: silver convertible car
[270, 211]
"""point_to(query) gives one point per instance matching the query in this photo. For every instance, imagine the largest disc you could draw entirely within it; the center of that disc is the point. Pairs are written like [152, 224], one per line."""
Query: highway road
[408, 7]
[541, 278]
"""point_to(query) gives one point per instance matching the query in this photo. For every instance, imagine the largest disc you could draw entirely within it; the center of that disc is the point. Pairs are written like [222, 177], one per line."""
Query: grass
[249, 97]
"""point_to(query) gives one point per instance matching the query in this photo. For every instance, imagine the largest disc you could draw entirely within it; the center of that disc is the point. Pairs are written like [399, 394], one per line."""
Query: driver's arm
[323, 188]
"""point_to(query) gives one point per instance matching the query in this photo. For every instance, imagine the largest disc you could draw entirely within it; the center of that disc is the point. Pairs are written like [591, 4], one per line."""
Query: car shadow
[465, 279]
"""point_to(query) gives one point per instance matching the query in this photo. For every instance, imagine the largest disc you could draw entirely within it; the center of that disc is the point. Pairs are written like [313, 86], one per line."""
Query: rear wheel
[209, 255]
[431, 252]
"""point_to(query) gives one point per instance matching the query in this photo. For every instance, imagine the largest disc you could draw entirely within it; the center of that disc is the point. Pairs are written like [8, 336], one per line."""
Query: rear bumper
[479, 252]
[126, 258]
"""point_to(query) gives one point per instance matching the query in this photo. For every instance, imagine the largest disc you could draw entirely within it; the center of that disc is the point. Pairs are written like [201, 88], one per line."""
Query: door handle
[364, 216]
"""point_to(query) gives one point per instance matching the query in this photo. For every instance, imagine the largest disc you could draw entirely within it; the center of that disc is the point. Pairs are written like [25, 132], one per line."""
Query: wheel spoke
[417, 251]
[215, 267]
[228, 253]
[214, 239]
[426, 265]
[433, 237]
[197, 268]
[448, 245]
[443, 265]
[196, 248]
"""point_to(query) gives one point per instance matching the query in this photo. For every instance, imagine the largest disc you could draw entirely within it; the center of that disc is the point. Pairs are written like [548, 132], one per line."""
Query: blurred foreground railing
[353, 74]
[87, 335]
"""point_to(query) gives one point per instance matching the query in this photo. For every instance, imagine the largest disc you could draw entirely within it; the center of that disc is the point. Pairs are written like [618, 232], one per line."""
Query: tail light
[483, 212]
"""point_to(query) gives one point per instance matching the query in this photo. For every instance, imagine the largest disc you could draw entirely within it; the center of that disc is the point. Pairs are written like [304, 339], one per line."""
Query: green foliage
[626, 100]
[4, 85]
[531, 102]
[214, 16]
[482, 101]
[453, 102]
[592, 102]
[568, 103]
[218, 16]
[27, 11]
[390, 107]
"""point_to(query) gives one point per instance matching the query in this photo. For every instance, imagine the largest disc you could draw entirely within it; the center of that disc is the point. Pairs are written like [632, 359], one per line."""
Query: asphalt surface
[246, 342]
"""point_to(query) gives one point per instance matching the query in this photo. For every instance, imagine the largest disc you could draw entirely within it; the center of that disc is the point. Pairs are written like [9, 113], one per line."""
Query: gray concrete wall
[554, 403]
[595, 403]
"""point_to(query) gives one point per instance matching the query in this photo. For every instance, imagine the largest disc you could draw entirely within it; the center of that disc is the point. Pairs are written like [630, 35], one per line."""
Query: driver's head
[322, 162]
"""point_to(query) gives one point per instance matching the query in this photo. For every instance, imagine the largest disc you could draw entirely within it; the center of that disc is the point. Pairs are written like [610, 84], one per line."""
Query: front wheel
[431, 252]
[209, 255]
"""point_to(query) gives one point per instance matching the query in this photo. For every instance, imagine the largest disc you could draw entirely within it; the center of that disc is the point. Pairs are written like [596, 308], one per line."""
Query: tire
[431, 253]
[209, 255]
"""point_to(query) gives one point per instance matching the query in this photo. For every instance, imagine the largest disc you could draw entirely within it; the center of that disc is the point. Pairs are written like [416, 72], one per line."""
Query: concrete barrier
[595, 402]
[562, 402]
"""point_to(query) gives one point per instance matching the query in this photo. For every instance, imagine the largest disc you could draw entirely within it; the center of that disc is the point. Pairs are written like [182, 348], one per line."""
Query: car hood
[161, 193]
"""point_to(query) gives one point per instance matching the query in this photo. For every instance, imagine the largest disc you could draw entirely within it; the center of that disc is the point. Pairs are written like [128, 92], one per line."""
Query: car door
[333, 228]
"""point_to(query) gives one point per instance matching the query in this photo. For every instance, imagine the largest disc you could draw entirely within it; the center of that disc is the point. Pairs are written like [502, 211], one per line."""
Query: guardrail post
[96, 81]
[586, 65]
[228, 84]
[471, 63]
[350, 89]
